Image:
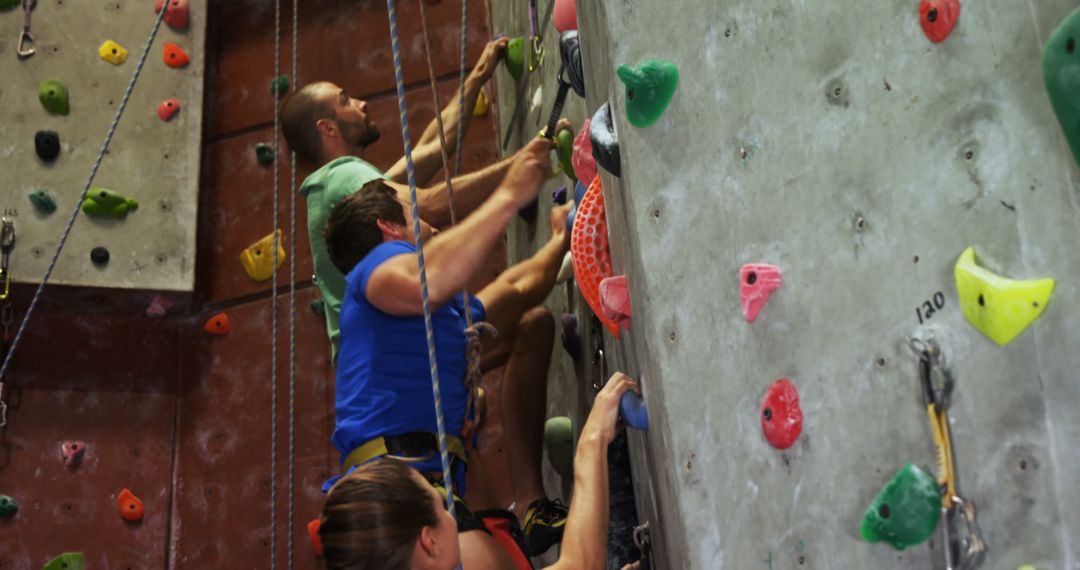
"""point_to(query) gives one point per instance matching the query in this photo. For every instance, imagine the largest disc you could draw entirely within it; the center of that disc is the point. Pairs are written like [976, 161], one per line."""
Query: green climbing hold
[264, 153]
[9, 4]
[43, 201]
[649, 88]
[906, 511]
[104, 202]
[564, 144]
[54, 97]
[67, 561]
[8, 507]
[515, 57]
[1061, 72]
[279, 85]
[559, 441]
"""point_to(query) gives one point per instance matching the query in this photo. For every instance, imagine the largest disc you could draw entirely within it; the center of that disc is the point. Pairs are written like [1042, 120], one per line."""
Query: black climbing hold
[47, 145]
[605, 146]
[318, 307]
[99, 255]
[264, 153]
[570, 49]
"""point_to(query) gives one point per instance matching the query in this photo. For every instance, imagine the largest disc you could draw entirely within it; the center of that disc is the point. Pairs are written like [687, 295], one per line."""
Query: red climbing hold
[589, 247]
[218, 324]
[564, 17]
[168, 109]
[781, 417]
[583, 160]
[757, 282]
[72, 452]
[313, 534]
[938, 18]
[131, 508]
[615, 298]
[175, 56]
[178, 15]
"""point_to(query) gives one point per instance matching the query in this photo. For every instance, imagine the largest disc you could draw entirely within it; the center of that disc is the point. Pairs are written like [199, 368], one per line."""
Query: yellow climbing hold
[1026, 567]
[258, 258]
[1001, 308]
[113, 52]
[482, 104]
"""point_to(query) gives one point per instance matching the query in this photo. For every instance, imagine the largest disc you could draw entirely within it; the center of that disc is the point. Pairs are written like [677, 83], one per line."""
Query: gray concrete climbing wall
[834, 140]
[153, 161]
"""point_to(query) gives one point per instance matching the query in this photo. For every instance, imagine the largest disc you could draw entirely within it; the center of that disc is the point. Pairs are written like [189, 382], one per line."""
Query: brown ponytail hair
[373, 517]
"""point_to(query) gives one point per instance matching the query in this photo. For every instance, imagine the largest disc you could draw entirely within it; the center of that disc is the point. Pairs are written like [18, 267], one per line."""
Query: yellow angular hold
[999, 307]
[258, 258]
[113, 52]
[482, 104]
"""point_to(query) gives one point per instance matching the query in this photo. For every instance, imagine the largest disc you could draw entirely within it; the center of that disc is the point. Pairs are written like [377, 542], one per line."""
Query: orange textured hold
[313, 534]
[131, 508]
[589, 247]
[175, 55]
[218, 324]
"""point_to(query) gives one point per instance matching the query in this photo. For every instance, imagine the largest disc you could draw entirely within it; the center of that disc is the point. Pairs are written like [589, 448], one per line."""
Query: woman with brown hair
[385, 515]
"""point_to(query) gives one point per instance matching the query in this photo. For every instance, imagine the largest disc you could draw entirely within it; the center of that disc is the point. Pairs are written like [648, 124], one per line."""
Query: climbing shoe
[544, 524]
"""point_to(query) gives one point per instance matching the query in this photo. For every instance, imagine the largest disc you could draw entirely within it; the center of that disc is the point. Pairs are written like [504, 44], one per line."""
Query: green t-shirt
[323, 190]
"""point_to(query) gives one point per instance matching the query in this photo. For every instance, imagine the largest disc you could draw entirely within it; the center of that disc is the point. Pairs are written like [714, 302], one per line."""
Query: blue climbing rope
[440, 420]
[78, 205]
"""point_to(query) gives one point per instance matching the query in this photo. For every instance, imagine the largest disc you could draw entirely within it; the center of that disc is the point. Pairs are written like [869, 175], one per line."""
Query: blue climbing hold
[634, 412]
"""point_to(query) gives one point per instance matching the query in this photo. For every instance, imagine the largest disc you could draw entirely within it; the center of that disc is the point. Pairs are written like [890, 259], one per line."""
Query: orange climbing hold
[131, 508]
[589, 246]
[218, 324]
[313, 534]
[175, 56]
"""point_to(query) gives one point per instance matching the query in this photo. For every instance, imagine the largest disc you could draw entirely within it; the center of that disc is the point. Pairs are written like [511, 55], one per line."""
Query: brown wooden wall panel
[337, 37]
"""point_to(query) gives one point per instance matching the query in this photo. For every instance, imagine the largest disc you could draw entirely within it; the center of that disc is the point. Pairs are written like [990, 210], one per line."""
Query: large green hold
[43, 201]
[649, 88]
[515, 57]
[906, 511]
[54, 96]
[559, 441]
[1061, 72]
[8, 507]
[279, 85]
[104, 202]
[67, 561]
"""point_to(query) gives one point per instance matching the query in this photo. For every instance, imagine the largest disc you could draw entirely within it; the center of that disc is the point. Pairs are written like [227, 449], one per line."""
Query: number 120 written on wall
[928, 308]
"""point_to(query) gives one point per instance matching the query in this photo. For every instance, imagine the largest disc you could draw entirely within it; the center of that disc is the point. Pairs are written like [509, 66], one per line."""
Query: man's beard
[357, 136]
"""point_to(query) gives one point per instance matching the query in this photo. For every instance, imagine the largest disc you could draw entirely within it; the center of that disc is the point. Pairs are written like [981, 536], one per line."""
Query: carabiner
[26, 47]
[536, 54]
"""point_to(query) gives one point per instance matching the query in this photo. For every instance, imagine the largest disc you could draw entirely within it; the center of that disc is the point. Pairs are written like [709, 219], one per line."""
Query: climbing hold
[99, 255]
[72, 452]
[580, 189]
[559, 441]
[633, 411]
[178, 15]
[313, 535]
[1001, 308]
[279, 85]
[560, 195]
[8, 4]
[570, 52]
[264, 153]
[571, 340]
[615, 299]
[566, 270]
[218, 324]
[158, 306]
[906, 511]
[47, 145]
[1026, 567]
[318, 306]
[67, 561]
[756, 282]
[564, 145]
[589, 245]
[582, 160]
[43, 201]
[8, 507]
[482, 105]
[564, 16]
[605, 145]
[53, 95]
[175, 56]
[515, 57]
[781, 416]
[113, 52]
[258, 258]
[1061, 73]
[105, 202]
[938, 18]
[131, 508]
[168, 109]
[649, 88]
[579, 195]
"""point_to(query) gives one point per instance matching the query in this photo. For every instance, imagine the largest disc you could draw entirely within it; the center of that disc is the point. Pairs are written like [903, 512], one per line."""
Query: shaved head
[300, 115]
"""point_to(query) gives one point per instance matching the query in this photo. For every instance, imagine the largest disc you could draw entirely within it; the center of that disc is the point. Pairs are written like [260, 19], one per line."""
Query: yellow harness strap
[377, 448]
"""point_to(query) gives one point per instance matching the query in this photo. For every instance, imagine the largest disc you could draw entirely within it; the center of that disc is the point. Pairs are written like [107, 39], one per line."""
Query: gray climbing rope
[292, 291]
[274, 293]
[78, 205]
[461, 83]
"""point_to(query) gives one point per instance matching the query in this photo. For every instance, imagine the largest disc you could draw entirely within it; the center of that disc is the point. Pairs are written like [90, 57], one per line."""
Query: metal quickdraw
[523, 83]
[536, 53]
[964, 547]
[599, 359]
[7, 310]
[556, 110]
[27, 46]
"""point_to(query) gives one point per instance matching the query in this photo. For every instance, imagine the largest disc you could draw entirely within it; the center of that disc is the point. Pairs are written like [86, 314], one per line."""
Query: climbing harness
[523, 83]
[26, 47]
[964, 549]
[75, 211]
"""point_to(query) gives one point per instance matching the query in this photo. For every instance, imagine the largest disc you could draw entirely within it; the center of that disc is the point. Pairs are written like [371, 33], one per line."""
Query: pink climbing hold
[564, 17]
[179, 14]
[757, 282]
[72, 452]
[582, 159]
[615, 299]
[159, 305]
[168, 109]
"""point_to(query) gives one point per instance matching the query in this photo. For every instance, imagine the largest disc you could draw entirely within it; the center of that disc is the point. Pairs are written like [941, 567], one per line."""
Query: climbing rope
[78, 205]
[292, 292]
[461, 83]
